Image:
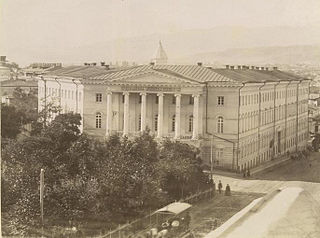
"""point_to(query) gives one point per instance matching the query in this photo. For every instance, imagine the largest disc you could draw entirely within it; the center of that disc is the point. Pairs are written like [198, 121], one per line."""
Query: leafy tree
[180, 169]
[11, 121]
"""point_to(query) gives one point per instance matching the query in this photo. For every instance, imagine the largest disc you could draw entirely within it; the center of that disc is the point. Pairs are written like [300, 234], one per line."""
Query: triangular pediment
[154, 78]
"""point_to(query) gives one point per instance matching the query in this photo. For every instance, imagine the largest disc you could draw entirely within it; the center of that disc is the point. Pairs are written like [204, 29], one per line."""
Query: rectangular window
[123, 98]
[140, 99]
[98, 97]
[220, 100]
[191, 100]
[157, 99]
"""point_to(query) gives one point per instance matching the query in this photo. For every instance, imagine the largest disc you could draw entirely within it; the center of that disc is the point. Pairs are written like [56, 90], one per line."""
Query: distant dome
[160, 56]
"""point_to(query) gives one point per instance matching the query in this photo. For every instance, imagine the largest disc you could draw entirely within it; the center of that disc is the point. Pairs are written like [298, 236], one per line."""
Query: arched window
[98, 120]
[173, 123]
[191, 123]
[156, 122]
[220, 125]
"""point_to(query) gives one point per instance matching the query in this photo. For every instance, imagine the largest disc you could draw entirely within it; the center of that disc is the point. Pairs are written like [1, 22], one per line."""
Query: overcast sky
[60, 24]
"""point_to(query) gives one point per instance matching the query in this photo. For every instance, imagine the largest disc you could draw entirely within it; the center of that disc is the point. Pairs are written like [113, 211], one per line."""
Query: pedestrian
[248, 173]
[220, 186]
[228, 191]
[244, 173]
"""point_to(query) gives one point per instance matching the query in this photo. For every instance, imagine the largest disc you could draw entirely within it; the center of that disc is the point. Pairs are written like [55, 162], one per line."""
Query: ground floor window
[98, 120]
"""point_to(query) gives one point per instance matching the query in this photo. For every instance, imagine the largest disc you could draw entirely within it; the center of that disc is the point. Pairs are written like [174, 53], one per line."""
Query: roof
[174, 208]
[78, 71]
[18, 83]
[193, 73]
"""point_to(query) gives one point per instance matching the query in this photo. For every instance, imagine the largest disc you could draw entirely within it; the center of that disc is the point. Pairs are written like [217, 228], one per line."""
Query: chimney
[94, 64]
[85, 64]
[231, 67]
[275, 68]
[244, 67]
[252, 67]
[257, 68]
[239, 66]
[267, 68]
[102, 63]
[199, 63]
[227, 66]
[262, 68]
[107, 66]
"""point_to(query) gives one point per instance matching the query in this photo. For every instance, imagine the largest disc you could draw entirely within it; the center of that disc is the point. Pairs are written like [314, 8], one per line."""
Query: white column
[109, 114]
[126, 113]
[178, 116]
[195, 132]
[143, 110]
[160, 114]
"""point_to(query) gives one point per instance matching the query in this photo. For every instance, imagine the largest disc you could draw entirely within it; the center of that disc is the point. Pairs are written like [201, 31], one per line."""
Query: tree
[180, 169]
[11, 121]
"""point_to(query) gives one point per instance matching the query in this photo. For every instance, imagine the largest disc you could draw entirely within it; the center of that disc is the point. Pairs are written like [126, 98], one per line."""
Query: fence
[136, 227]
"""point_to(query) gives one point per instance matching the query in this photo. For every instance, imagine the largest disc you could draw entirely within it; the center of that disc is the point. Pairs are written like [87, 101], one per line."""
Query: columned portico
[178, 117]
[126, 113]
[143, 110]
[109, 114]
[160, 114]
[195, 132]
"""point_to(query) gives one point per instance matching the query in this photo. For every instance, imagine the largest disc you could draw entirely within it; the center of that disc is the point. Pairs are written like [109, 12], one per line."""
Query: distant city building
[7, 70]
[160, 56]
[250, 114]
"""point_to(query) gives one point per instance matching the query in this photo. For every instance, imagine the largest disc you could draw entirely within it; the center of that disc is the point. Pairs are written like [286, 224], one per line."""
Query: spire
[160, 56]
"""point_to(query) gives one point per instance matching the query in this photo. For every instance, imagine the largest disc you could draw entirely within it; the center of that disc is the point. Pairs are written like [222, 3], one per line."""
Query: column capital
[143, 94]
[160, 94]
[177, 94]
[196, 95]
[109, 93]
[126, 93]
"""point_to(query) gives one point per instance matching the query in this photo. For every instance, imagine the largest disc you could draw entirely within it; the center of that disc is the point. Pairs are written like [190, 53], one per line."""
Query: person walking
[228, 191]
[220, 186]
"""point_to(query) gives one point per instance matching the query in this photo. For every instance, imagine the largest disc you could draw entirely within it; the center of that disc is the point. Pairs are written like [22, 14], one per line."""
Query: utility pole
[41, 196]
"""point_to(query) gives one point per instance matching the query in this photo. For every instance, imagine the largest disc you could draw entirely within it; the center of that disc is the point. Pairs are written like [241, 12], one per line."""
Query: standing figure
[220, 186]
[228, 190]
[248, 173]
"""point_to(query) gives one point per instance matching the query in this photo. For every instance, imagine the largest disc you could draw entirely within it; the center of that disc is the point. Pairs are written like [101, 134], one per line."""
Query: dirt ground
[208, 215]
[295, 170]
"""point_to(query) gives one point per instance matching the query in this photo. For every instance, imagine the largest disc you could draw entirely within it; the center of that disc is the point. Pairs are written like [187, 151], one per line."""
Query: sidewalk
[261, 167]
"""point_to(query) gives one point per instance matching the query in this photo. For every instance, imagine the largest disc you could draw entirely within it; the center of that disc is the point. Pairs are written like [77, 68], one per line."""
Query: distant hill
[308, 54]
[190, 43]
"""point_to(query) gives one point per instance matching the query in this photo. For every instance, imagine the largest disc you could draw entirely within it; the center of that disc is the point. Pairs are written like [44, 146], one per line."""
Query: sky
[60, 24]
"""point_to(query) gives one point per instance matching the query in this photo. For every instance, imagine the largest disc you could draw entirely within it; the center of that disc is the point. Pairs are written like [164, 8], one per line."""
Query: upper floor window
[173, 123]
[190, 123]
[98, 97]
[173, 99]
[98, 120]
[157, 100]
[123, 98]
[139, 125]
[140, 99]
[220, 125]
[220, 100]
[191, 100]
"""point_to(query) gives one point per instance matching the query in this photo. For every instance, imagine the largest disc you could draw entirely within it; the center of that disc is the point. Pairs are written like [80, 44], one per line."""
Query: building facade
[238, 117]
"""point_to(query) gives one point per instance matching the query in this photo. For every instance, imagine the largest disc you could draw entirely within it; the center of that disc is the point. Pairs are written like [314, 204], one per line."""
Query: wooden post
[41, 196]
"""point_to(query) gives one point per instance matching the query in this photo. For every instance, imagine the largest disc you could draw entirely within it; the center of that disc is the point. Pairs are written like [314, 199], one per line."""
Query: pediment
[154, 78]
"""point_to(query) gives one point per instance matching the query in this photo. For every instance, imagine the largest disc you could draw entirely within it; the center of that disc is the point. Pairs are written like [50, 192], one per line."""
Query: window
[220, 100]
[123, 98]
[191, 100]
[173, 123]
[98, 97]
[173, 99]
[139, 123]
[156, 122]
[98, 120]
[140, 98]
[190, 123]
[157, 99]
[219, 154]
[220, 125]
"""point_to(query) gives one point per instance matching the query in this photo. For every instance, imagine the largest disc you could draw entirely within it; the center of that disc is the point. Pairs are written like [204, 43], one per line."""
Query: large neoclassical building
[239, 117]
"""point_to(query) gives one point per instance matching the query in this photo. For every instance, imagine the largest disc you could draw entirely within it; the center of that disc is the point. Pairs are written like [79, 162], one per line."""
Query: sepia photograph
[160, 118]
